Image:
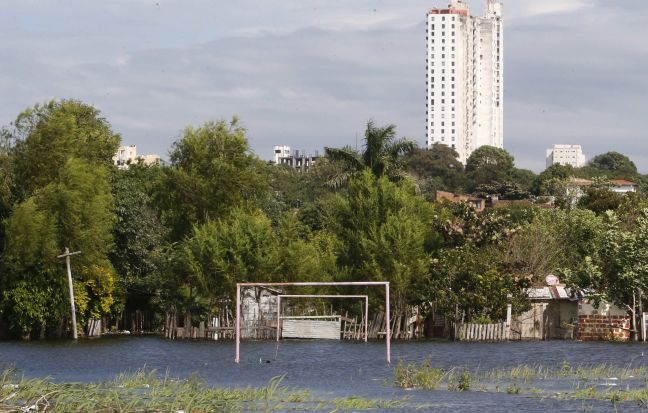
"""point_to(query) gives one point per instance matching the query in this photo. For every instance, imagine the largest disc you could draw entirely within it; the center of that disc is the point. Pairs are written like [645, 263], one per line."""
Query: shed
[553, 314]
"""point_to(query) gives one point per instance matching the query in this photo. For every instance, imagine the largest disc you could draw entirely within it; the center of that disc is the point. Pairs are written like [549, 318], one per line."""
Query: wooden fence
[483, 332]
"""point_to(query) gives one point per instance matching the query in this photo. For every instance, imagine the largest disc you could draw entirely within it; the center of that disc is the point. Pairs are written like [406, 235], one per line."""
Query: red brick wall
[603, 327]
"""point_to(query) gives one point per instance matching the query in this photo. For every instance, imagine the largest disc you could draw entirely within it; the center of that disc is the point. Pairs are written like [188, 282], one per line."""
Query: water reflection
[326, 367]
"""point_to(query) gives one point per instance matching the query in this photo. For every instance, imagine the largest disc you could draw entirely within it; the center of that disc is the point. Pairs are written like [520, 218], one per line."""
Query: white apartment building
[127, 155]
[566, 155]
[280, 151]
[464, 79]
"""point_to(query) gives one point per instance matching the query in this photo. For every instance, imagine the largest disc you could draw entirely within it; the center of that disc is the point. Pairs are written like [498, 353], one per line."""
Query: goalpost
[366, 307]
[237, 358]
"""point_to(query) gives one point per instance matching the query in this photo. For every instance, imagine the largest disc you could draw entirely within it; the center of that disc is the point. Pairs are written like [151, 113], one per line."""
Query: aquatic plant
[422, 376]
[146, 391]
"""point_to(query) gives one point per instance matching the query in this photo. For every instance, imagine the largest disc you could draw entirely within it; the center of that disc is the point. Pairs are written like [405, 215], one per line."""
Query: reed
[146, 391]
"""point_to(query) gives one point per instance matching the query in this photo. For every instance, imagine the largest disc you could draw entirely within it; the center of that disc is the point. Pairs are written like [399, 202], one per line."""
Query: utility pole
[67, 255]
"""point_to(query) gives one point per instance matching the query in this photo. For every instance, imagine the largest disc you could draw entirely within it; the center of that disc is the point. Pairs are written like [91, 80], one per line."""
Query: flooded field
[557, 381]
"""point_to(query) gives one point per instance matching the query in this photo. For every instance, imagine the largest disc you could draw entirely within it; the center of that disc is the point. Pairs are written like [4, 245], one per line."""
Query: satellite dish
[551, 279]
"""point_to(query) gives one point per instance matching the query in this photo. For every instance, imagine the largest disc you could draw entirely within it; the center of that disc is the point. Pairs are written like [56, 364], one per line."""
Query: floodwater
[327, 368]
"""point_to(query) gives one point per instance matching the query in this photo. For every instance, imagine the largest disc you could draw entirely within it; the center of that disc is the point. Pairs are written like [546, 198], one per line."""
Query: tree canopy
[381, 155]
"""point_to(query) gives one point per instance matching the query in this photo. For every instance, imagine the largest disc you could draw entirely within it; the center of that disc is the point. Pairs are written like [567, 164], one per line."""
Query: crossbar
[237, 357]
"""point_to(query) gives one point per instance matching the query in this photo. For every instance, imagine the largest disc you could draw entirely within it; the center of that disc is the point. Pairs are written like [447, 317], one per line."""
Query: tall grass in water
[138, 392]
[147, 392]
[422, 376]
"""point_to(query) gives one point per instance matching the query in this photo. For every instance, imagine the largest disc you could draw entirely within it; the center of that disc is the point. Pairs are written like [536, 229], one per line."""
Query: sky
[311, 73]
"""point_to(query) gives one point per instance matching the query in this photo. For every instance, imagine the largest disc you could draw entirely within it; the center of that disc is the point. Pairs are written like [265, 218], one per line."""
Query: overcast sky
[310, 73]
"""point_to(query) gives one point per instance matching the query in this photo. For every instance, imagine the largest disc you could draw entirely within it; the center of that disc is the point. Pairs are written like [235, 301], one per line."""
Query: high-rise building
[566, 155]
[464, 79]
[280, 151]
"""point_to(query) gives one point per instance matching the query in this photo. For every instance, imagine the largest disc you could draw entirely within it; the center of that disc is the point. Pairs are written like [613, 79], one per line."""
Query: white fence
[482, 332]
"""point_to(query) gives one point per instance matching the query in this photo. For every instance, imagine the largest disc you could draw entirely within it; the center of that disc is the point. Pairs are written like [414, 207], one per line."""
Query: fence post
[509, 311]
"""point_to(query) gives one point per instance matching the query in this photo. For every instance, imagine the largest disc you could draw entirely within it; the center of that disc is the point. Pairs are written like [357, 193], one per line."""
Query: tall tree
[140, 237]
[212, 171]
[489, 165]
[76, 211]
[381, 155]
[547, 182]
[47, 135]
[239, 248]
[437, 168]
[615, 165]
[386, 231]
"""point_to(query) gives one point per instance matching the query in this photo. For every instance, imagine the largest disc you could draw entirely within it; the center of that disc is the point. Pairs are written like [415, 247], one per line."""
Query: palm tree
[381, 155]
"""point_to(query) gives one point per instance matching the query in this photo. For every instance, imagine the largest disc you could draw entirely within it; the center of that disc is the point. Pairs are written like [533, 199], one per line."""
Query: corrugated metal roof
[556, 292]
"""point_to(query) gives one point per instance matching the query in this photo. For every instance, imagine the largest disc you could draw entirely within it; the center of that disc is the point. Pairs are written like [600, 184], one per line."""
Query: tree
[241, 247]
[47, 135]
[74, 210]
[460, 224]
[601, 200]
[546, 182]
[467, 285]
[507, 190]
[437, 168]
[7, 189]
[140, 239]
[386, 233]
[523, 179]
[381, 155]
[304, 255]
[615, 165]
[618, 271]
[488, 165]
[212, 171]
[552, 240]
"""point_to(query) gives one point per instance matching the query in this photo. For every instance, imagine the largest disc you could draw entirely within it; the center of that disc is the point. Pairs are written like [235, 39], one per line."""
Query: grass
[582, 382]
[147, 392]
[422, 376]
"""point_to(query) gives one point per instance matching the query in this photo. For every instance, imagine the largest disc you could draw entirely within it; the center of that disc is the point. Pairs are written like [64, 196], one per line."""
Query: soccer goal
[384, 284]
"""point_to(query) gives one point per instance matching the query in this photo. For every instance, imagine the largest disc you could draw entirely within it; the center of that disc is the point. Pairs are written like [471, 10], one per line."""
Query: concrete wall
[547, 320]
